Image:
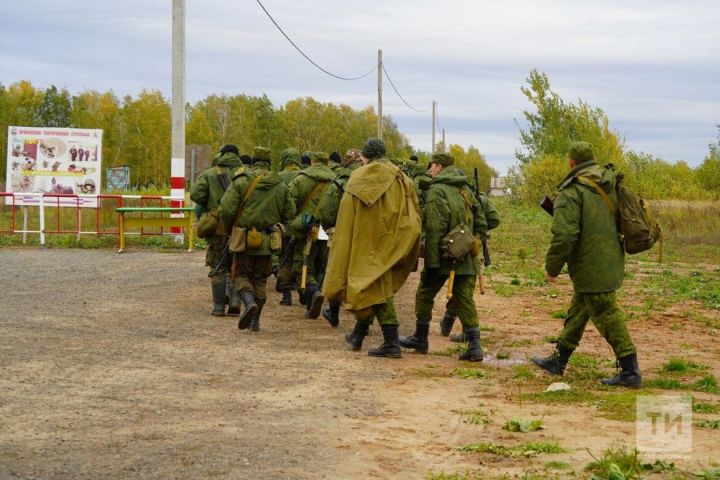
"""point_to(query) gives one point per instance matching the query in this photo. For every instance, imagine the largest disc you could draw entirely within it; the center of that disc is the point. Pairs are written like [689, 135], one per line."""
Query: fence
[54, 213]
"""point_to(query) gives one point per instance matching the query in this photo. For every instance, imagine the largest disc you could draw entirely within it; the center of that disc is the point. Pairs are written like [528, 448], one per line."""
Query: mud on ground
[112, 367]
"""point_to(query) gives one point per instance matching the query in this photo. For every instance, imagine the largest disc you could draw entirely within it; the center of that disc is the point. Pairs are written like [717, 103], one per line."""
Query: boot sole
[233, 311]
[315, 306]
[246, 318]
[411, 347]
[389, 355]
[218, 314]
[549, 372]
[332, 322]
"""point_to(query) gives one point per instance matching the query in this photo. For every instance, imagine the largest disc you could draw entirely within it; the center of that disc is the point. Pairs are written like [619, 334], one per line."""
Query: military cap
[414, 158]
[246, 159]
[351, 156]
[322, 157]
[444, 159]
[581, 152]
[229, 148]
[261, 154]
[373, 148]
[306, 157]
[335, 157]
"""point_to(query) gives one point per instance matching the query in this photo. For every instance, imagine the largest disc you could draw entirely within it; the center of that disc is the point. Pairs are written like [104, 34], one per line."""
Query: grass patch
[664, 383]
[707, 384]
[475, 416]
[450, 351]
[523, 372]
[680, 366]
[428, 371]
[524, 426]
[616, 463]
[700, 407]
[709, 424]
[559, 314]
[550, 338]
[527, 449]
[562, 396]
[557, 465]
[452, 476]
[469, 373]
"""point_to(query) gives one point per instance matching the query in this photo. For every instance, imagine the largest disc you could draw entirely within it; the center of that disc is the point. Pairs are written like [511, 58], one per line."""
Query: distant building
[498, 188]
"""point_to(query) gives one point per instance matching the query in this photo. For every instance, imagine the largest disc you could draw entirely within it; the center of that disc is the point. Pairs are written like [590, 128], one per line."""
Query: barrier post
[42, 221]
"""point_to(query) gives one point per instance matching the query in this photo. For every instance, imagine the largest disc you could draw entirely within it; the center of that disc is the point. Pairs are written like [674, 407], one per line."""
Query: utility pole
[432, 147]
[379, 85]
[177, 162]
[443, 140]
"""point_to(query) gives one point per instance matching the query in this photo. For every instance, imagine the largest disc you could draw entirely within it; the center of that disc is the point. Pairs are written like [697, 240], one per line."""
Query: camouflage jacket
[584, 232]
[331, 199]
[207, 189]
[302, 186]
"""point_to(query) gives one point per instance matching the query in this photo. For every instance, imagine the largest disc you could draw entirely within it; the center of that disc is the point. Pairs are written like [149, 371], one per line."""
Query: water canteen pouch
[458, 242]
[313, 233]
[276, 240]
[253, 239]
[238, 242]
[208, 223]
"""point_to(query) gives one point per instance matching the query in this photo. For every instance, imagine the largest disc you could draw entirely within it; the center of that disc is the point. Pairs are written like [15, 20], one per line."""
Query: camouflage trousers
[316, 262]
[219, 264]
[286, 276]
[602, 309]
[252, 272]
[384, 312]
[462, 303]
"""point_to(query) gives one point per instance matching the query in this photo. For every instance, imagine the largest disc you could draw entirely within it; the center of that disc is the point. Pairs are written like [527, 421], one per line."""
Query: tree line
[554, 124]
[137, 130]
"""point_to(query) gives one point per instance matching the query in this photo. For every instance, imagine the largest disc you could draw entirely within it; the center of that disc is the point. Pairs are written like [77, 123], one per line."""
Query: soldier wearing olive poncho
[257, 201]
[206, 192]
[449, 203]
[585, 237]
[375, 247]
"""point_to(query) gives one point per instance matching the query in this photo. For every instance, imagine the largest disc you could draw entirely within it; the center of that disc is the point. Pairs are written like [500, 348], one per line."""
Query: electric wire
[303, 53]
[387, 75]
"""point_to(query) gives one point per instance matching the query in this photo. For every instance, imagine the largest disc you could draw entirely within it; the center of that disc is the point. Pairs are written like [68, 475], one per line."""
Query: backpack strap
[598, 188]
[246, 196]
[319, 188]
[222, 178]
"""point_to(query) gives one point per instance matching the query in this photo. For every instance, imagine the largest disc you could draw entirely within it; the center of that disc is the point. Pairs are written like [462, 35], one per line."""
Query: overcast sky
[653, 66]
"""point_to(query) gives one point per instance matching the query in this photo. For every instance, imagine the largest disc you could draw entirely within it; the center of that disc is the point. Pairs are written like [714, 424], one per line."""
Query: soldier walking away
[254, 207]
[492, 218]
[290, 167]
[207, 192]
[450, 205]
[306, 190]
[585, 236]
[329, 211]
[375, 247]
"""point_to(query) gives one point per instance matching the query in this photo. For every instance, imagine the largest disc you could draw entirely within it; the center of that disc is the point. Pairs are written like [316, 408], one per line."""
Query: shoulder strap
[598, 188]
[222, 178]
[319, 186]
[246, 196]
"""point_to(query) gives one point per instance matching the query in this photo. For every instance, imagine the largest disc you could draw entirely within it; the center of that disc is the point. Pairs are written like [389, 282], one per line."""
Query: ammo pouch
[208, 223]
[254, 239]
[313, 233]
[276, 238]
[238, 242]
[477, 248]
[458, 242]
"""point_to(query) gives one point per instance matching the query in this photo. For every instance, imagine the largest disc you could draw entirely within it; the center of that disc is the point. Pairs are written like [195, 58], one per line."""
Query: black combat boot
[390, 347]
[356, 337]
[218, 296]
[418, 340]
[474, 352]
[446, 324]
[332, 313]
[556, 362]
[314, 299]
[287, 297]
[629, 376]
[459, 338]
[301, 297]
[255, 321]
[251, 308]
[233, 308]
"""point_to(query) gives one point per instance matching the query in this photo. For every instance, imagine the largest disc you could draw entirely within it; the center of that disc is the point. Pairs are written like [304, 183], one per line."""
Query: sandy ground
[112, 367]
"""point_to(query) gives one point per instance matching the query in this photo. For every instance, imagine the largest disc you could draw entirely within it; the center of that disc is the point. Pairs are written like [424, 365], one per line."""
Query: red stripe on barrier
[177, 183]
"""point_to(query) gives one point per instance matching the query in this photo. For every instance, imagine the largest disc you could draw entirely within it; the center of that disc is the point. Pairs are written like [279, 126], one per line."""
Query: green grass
[707, 384]
[475, 416]
[700, 407]
[559, 314]
[709, 424]
[469, 373]
[452, 476]
[616, 463]
[616, 405]
[450, 351]
[524, 426]
[664, 383]
[557, 465]
[527, 449]
[680, 366]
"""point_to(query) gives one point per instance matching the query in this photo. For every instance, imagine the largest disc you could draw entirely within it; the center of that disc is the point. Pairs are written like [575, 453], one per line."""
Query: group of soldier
[350, 230]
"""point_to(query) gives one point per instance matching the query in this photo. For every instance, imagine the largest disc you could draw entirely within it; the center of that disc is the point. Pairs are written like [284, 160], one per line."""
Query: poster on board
[55, 161]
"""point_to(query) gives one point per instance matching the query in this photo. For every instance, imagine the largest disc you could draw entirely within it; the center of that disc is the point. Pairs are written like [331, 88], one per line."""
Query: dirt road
[112, 367]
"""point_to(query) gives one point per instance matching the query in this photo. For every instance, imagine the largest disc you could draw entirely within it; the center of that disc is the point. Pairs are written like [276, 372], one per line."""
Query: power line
[303, 53]
[387, 75]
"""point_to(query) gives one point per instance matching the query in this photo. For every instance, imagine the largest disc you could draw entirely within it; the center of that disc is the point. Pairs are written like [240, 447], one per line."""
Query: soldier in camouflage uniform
[267, 206]
[290, 167]
[329, 210]
[450, 202]
[334, 162]
[492, 217]
[306, 191]
[206, 192]
[420, 177]
[585, 237]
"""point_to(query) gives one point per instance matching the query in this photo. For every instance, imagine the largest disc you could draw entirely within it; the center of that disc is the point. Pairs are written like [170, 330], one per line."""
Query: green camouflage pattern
[383, 312]
[330, 204]
[602, 309]
[462, 303]
[207, 190]
[302, 186]
[492, 216]
[214, 255]
[584, 232]
[445, 209]
[316, 262]
[290, 164]
[251, 276]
